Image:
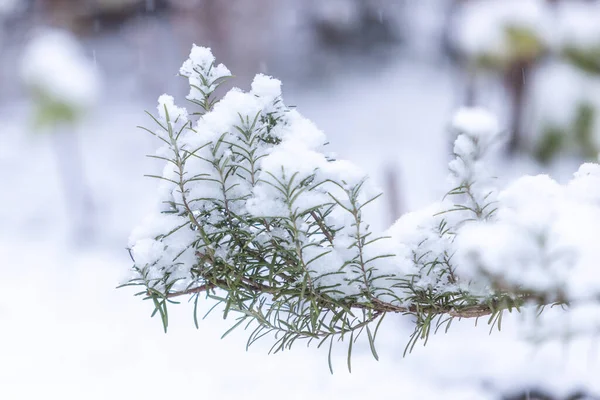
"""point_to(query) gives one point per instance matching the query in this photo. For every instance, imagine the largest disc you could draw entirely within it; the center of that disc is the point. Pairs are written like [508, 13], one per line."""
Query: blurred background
[380, 77]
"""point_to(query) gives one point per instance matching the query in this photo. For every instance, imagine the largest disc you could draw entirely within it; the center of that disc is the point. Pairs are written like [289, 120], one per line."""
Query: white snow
[476, 122]
[201, 61]
[541, 239]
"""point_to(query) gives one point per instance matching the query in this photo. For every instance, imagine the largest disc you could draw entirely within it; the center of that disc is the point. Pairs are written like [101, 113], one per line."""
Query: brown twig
[474, 311]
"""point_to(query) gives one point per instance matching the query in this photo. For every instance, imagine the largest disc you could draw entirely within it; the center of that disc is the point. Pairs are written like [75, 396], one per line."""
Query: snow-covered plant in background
[496, 34]
[254, 216]
[521, 39]
[63, 82]
[508, 38]
[579, 34]
[568, 123]
[64, 85]
[568, 120]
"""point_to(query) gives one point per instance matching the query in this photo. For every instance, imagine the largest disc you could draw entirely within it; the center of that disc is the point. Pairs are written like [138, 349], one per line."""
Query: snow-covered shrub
[63, 82]
[579, 34]
[64, 85]
[507, 38]
[530, 45]
[253, 215]
[498, 33]
[566, 91]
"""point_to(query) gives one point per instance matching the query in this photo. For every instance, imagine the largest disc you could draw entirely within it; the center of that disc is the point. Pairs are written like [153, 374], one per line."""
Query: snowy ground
[66, 332]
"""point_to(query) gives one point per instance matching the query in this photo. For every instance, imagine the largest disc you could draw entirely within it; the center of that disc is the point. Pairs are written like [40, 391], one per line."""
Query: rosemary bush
[255, 217]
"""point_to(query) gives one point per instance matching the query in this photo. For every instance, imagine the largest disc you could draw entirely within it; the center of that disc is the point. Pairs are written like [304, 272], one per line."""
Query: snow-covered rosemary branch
[253, 215]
